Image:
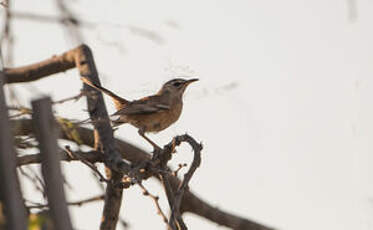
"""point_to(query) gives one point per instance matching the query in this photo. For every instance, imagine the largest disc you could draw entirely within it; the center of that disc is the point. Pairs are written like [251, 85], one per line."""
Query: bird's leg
[155, 146]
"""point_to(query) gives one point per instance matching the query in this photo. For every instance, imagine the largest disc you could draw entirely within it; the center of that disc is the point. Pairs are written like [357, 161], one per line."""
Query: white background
[283, 106]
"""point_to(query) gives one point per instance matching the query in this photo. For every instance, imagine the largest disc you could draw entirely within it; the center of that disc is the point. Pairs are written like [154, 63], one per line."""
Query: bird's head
[176, 86]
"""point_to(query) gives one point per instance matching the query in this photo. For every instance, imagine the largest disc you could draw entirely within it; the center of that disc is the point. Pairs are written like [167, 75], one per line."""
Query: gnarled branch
[82, 58]
[190, 202]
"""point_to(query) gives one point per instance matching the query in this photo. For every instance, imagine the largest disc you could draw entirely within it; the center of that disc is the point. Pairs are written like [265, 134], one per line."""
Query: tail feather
[118, 101]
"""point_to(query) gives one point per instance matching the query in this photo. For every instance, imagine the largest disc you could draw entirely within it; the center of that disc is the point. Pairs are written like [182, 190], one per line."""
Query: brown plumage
[153, 113]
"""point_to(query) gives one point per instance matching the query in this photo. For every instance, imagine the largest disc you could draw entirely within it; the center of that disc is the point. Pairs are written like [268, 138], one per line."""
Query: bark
[46, 134]
[10, 193]
[191, 203]
[82, 58]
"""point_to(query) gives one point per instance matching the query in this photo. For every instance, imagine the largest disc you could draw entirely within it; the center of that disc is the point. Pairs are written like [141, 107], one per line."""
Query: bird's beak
[191, 80]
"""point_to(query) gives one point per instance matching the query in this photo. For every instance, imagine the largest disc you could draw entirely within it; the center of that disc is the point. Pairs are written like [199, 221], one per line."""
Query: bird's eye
[177, 84]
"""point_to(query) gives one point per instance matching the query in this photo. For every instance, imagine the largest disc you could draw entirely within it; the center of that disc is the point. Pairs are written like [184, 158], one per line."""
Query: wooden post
[10, 192]
[46, 134]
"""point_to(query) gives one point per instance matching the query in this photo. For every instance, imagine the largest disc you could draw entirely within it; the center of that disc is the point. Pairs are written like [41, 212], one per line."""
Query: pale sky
[283, 106]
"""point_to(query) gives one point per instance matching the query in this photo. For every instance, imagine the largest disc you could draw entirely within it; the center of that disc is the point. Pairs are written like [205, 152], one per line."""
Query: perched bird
[149, 114]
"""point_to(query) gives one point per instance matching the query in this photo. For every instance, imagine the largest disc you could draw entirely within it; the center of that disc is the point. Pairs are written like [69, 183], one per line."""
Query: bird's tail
[118, 101]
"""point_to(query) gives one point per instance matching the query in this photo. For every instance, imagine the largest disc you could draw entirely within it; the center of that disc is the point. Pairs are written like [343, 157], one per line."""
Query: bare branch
[180, 166]
[84, 161]
[6, 36]
[73, 98]
[36, 182]
[146, 33]
[48, 18]
[190, 202]
[91, 156]
[21, 111]
[104, 140]
[82, 58]
[71, 22]
[55, 64]
[155, 199]
[75, 203]
[175, 219]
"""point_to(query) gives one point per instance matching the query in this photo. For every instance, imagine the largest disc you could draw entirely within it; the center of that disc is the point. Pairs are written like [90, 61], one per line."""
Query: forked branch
[176, 219]
[103, 141]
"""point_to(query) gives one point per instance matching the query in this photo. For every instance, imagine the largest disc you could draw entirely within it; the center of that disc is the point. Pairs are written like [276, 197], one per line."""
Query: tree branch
[175, 218]
[82, 58]
[155, 199]
[91, 156]
[33, 72]
[104, 140]
[74, 203]
[84, 161]
[190, 202]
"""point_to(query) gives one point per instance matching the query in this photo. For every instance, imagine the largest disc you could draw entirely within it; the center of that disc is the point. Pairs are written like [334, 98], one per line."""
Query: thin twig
[180, 166]
[74, 98]
[37, 182]
[71, 22]
[78, 58]
[24, 142]
[156, 202]
[33, 202]
[21, 111]
[84, 161]
[75, 203]
[130, 153]
[48, 18]
[124, 223]
[91, 156]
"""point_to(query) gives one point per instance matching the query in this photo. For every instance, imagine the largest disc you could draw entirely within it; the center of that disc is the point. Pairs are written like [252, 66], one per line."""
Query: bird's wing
[144, 106]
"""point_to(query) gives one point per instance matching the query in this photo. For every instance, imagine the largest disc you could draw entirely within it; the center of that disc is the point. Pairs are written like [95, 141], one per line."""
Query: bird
[152, 113]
